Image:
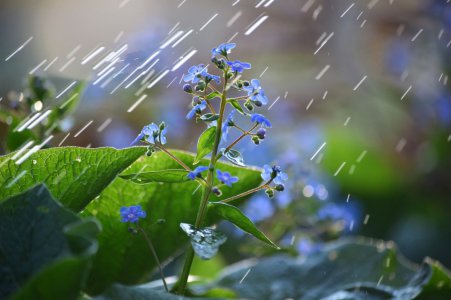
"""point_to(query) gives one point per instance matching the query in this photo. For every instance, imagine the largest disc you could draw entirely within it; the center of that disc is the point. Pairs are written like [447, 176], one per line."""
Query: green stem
[207, 189]
[251, 191]
[155, 256]
[246, 133]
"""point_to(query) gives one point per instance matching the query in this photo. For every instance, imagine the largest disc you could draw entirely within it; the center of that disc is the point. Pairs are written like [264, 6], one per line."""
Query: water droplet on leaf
[205, 241]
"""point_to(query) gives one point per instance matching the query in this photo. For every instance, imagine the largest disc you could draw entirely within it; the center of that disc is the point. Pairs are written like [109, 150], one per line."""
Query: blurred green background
[366, 82]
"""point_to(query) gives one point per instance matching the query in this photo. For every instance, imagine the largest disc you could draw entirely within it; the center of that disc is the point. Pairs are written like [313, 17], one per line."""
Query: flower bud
[239, 85]
[261, 133]
[216, 191]
[187, 88]
[161, 221]
[256, 140]
[246, 83]
[270, 193]
[258, 103]
[248, 105]
[229, 75]
[162, 126]
[132, 230]
[280, 187]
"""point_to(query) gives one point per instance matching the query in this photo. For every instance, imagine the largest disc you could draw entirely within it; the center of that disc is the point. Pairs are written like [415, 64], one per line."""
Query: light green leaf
[45, 249]
[209, 117]
[236, 105]
[73, 175]
[213, 95]
[234, 215]
[205, 143]
[124, 257]
[234, 157]
[172, 175]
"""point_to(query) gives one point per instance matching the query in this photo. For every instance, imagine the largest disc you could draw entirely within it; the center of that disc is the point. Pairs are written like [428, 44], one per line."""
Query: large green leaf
[73, 175]
[45, 249]
[234, 215]
[350, 269]
[205, 143]
[124, 257]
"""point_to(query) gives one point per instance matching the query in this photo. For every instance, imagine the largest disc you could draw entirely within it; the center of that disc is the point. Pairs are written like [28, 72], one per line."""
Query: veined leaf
[73, 175]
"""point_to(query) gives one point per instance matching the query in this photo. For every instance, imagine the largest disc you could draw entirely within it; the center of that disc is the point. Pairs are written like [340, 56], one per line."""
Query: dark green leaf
[173, 175]
[234, 215]
[205, 241]
[209, 117]
[237, 105]
[350, 269]
[213, 95]
[234, 157]
[73, 175]
[205, 143]
[45, 249]
[124, 257]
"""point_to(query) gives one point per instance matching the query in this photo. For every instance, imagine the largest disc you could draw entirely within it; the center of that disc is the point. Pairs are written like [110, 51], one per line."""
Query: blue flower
[196, 109]
[226, 178]
[196, 172]
[274, 173]
[195, 73]
[152, 134]
[210, 77]
[227, 123]
[255, 92]
[261, 119]
[223, 49]
[238, 66]
[132, 213]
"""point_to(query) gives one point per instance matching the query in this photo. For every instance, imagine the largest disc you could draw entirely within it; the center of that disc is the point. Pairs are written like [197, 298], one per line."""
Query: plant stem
[251, 191]
[155, 256]
[207, 189]
[246, 133]
[181, 163]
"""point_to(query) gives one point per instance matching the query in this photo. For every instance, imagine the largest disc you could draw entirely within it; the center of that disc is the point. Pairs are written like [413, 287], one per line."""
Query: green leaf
[234, 215]
[205, 143]
[213, 95]
[73, 175]
[234, 157]
[236, 105]
[209, 117]
[45, 249]
[172, 175]
[349, 269]
[124, 257]
[205, 241]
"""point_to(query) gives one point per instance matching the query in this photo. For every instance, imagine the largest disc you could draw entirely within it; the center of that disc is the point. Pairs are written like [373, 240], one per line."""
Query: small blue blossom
[260, 119]
[132, 213]
[223, 49]
[255, 92]
[196, 109]
[152, 134]
[275, 173]
[227, 123]
[195, 73]
[210, 77]
[226, 178]
[238, 66]
[197, 172]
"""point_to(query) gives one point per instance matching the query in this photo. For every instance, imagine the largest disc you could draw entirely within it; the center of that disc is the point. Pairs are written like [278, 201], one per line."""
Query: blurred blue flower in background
[259, 208]
[132, 213]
